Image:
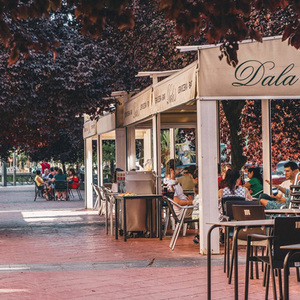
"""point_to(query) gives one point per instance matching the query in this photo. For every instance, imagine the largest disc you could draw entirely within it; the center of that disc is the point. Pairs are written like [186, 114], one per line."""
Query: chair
[250, 211]
[97, 204]
[62, 186]
[286, 232]
[226, 215]
[78, 193]
[295, 193]
[109, 212]
[179, 220]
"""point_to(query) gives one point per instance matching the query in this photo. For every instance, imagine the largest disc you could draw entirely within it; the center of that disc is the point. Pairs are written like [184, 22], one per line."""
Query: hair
[170, 165]
[51, 169]
[186, 170]
[72, 170]
[231, 177]
[56, 169]
[291, 164]
[192, 169]
[256, 174]
[59, 172]
[38, 172]
[195, 174]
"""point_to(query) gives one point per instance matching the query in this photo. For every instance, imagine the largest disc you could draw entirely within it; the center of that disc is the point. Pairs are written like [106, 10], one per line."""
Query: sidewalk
[57, 250]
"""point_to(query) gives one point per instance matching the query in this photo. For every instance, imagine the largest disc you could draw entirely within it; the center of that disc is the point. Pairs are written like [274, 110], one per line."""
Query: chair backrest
[286, 232]
[171, 208]
[61, 185]
[234, 199]
[250, 211]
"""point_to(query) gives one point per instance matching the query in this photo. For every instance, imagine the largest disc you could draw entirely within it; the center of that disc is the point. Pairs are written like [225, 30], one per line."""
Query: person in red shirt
[45, 165]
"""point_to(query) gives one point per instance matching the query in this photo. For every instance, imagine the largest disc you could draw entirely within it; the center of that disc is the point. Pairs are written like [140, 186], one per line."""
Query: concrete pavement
[58, 250]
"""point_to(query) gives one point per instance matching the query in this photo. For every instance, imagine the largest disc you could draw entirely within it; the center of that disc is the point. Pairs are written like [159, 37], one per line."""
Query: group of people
[230, 184]
[49, 175]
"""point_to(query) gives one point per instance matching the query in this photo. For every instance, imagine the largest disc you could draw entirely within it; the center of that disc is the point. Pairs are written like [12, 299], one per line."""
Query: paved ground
[58, 250]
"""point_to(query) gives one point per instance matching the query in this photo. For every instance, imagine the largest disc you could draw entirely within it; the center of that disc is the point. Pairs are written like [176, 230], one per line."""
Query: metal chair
[179, 220]
[62, 186]
[295, 193]
[78, 193]
[38, 191]
[286, 232]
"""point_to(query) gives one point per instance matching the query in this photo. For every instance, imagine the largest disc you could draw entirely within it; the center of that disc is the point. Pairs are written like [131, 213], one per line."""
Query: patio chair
[179, 220]
[295, 193]
[227, 216]
[286, 232]
[77, 191]
[62, 186]
[109, 209]
[250, 210]
[100, 200]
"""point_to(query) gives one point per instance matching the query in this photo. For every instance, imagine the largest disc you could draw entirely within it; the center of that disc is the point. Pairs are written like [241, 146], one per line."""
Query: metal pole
[14, 168]
[4, 174]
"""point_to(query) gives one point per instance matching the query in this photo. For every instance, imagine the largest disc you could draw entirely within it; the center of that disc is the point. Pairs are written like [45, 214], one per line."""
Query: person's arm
[40, 180]
[189, 201]
[247, 194]
[247, 185]
[220, 193]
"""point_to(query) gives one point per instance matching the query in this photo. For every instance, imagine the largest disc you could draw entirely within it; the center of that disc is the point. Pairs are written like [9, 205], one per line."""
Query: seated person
[255, 184]
[60, 195]
[46, 174]
[73, 180]
[179, 197]
[274, 202]
[186, 180]
[233, 188]
[40, 183]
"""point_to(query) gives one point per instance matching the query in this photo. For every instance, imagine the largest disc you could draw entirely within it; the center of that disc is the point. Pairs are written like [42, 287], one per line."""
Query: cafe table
[237, 226]
[293, 250]
[286, 211]
[123, 199]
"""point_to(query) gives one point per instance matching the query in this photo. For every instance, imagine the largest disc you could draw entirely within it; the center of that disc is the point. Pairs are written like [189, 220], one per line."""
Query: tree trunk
[233, 111]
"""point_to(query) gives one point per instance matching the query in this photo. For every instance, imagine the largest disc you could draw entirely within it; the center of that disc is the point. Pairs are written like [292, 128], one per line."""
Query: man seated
[186, 180]
[42, 185]
[273, 202]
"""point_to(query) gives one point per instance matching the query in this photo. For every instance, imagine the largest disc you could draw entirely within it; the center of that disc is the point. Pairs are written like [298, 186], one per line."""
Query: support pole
[266, 144]
[4, 173]
[88, 173]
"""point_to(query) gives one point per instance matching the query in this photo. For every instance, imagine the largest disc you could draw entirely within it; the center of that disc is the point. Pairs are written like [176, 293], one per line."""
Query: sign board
[175, 90]
[138, 107]
[89, 129]
[106, 123]
[265, 70]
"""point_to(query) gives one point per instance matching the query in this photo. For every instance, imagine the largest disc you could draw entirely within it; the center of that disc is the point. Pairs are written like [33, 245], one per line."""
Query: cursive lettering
[253, 72]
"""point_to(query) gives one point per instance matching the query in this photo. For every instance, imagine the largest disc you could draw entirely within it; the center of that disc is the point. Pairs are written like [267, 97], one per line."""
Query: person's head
[56, 169]
[224, 169]
[291, 169]
[46, 171]
[195, 176]
[185, 171]
[52, 170]
[255, 173]
[72, 172]
[232, 179]
[38, 172]
[59, 171]
[170, 166]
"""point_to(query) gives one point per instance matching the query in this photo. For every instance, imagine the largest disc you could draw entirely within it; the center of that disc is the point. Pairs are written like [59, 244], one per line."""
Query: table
[287, 211]
[293, 249]
[237, 225]
[145, 197]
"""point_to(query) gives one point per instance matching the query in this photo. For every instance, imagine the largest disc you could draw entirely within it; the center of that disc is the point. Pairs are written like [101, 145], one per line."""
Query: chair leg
[298, 274]
[256, 264]
[177, 229]
[247, 270]
[267, 281]
[167, 221]
[280, 284]
[79, 194]
[225, 248]
[251, 271]
[184, 228]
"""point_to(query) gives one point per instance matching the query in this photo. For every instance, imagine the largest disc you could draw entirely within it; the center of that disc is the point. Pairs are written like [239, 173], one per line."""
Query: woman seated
[60, 195]
[42, 184]
[255, 184]
[73, 180]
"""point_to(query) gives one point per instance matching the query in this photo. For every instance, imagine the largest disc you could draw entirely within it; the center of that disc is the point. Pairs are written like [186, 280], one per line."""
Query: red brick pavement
[58, 250]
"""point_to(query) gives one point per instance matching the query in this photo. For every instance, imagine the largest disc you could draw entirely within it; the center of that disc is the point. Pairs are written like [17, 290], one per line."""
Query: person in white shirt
[290, 169]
